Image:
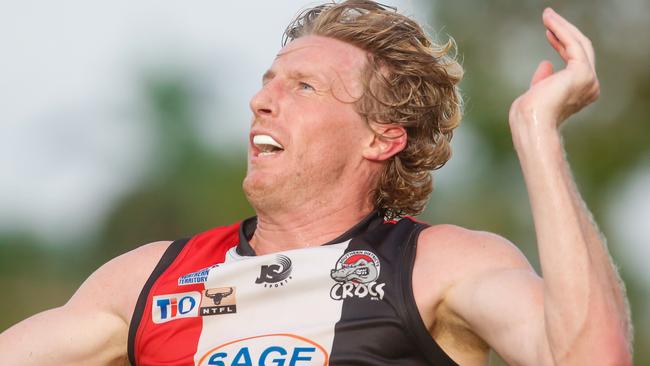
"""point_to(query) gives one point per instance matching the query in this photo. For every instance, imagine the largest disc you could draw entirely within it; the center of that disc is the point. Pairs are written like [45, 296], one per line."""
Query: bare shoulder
[120, 280]
[450, 255]
[464, 252]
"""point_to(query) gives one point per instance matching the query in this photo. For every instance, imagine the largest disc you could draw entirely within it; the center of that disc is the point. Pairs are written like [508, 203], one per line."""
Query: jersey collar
[248, 226]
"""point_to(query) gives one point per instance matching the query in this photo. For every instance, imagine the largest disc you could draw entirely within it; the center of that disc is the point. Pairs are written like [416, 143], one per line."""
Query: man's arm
[577, 314]
[92, 327]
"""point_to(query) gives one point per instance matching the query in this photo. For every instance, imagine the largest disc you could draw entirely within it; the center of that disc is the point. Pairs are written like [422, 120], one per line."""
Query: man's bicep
[67, 335]
[505, 307]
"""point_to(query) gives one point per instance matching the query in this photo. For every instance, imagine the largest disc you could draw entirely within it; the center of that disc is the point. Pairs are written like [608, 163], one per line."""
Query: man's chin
[258, 188]
[270, 194]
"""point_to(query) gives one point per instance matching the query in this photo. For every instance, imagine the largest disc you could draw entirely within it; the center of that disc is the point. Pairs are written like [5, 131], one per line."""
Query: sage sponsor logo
[275, 274]
[270, 349]
[356, 275]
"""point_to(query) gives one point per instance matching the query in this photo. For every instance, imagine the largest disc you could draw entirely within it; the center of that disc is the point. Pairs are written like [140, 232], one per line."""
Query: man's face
[306, 137]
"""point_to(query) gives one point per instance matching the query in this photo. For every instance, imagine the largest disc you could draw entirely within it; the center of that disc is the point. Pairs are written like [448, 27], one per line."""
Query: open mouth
[266, 145]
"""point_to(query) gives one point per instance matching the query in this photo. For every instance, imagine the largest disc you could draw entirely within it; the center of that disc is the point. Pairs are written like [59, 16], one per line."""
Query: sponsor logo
[276, 274]
[175, 306]
[356, 273]
[218, 301]
[271, 349]
[200, 276]
[214, 301]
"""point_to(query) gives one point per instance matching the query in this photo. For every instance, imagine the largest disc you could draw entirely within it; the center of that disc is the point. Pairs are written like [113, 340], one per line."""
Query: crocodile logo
[358, 268]
[356, 275]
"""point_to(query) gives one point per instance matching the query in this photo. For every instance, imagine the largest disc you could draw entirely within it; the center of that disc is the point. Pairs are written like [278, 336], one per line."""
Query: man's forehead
[287, 50]
[321, 55]
[323, 51]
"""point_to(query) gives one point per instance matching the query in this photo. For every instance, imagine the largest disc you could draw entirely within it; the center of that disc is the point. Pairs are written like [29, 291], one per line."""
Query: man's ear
[388, 140]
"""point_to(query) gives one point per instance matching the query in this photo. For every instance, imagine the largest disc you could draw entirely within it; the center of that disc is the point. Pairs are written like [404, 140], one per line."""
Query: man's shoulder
[452, 248]
[138, 259]
[138, 263]
[116, 285]
[449, 256]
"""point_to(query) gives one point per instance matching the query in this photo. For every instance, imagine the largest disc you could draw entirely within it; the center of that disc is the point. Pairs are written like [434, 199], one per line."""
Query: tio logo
[175, 306]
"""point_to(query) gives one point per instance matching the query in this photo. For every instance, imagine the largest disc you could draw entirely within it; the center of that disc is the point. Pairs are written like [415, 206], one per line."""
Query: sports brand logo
[200, 276]
[356, 275]
[217, 301]
[275, 274]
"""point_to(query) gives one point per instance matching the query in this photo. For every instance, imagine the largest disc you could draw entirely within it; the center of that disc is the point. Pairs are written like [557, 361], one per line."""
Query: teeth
[260, 140]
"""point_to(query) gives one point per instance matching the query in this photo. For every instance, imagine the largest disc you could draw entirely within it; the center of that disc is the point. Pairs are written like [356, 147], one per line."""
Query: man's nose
[264, 102]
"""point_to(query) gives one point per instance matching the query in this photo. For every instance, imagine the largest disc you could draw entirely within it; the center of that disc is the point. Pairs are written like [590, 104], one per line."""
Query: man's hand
[586, 317]
[554, 96]
[576, 314]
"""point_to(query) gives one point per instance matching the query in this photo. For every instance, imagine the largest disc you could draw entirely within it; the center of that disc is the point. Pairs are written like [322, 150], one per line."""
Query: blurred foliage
[191, 188]
[602, 146]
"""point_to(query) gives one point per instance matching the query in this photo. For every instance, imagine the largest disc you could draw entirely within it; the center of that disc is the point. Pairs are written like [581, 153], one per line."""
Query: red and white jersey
[212, 301]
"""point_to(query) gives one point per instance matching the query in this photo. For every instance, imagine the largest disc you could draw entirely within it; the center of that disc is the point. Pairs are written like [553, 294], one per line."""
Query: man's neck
[305, 228]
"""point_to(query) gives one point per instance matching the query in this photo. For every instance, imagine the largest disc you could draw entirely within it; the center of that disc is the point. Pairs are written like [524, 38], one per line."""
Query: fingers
[576, 46]
[544, 70]
[584, 41]
[556, 44]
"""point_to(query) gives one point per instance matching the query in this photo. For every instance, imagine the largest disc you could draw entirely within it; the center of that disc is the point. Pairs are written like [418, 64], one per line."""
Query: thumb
[544, 70]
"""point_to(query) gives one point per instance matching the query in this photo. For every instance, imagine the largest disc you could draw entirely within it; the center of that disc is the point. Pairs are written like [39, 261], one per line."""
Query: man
[354, 112]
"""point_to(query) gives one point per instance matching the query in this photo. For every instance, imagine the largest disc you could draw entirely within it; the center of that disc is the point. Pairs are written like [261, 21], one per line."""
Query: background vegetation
[191, 187]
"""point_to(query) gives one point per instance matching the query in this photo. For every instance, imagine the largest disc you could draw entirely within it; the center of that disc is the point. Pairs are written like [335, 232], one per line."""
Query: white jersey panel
[265, 306]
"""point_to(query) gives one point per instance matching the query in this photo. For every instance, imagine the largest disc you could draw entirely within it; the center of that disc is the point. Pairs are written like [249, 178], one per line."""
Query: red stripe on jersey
[174, 342]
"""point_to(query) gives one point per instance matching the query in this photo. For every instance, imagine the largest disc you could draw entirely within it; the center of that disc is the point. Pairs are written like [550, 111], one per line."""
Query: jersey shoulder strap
[410, 314]
[182, 256]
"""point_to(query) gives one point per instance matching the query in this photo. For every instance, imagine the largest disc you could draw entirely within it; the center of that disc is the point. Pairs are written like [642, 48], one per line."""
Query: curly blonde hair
[409, 80]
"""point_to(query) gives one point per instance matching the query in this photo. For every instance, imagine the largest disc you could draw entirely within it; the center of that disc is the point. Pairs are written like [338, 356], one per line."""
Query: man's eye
[305, 86]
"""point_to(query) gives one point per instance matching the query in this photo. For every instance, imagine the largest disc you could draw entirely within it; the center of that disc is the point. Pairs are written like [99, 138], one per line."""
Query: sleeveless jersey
[212, 301]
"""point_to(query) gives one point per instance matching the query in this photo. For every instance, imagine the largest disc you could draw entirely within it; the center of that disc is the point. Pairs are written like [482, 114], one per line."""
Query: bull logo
[218, 301]
[217, 295]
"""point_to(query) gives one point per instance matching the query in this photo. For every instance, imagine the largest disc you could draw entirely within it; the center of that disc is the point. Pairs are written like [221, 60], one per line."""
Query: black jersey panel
[373, 330]
[411, 316]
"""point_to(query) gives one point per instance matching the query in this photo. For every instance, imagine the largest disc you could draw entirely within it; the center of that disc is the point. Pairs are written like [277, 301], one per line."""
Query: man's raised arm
[577, 313]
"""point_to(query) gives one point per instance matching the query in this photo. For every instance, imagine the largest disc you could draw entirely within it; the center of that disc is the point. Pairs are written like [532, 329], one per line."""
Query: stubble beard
[265, 196]
[291, 191]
